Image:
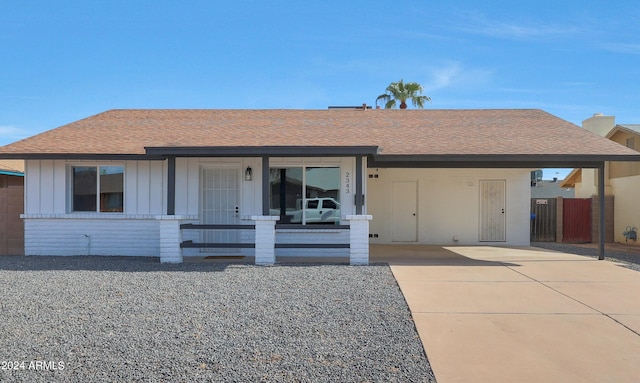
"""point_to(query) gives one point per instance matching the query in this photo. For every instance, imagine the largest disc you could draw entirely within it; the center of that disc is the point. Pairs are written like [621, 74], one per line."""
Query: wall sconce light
[247, 174]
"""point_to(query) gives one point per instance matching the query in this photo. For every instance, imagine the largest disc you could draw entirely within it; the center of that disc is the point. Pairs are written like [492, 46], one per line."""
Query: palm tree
[401, 91]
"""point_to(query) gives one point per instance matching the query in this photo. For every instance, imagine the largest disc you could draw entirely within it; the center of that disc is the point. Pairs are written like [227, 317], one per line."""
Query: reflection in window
[85, 186]
[102, 193]
[320, 187]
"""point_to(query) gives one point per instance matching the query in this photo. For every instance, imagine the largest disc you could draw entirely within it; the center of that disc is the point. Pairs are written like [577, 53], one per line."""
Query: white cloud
[454, 74]
[479, 24]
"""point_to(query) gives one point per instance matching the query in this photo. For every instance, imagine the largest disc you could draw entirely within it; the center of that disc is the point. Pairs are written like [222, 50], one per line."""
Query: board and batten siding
[46, 184]
[52, 229]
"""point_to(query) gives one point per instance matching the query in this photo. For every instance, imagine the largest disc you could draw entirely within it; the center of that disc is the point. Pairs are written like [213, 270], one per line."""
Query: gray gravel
[133, 319]
[630, 258]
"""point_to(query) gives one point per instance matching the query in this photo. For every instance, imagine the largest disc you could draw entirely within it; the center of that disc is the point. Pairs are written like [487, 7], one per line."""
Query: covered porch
[267, 223]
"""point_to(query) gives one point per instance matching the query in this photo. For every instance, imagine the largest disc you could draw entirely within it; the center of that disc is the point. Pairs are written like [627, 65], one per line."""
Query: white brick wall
[85, 236]
[170, 240]
[359, 238]
[265, 239]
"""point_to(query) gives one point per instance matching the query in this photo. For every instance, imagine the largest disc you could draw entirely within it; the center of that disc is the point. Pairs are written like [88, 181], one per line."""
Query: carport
[529, 161]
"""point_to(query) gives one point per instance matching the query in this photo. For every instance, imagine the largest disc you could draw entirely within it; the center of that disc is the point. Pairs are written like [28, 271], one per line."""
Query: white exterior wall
[52, 229]
[448, 204]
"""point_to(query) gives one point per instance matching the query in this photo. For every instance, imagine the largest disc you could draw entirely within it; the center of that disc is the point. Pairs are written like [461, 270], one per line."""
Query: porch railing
[189, 244]
[307, 245]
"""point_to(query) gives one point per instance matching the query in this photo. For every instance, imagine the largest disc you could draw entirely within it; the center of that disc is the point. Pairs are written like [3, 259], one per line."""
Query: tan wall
[625, 169]
[11, 206]
[587, 188]
[627, 206]
[448, 204]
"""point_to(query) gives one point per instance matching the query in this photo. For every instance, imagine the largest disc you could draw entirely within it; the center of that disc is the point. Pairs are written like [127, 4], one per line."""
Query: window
[98, 188]
[315, 188]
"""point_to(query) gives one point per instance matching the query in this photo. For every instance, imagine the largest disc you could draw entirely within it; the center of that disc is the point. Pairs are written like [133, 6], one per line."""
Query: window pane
[323, 195]
[84, 188]
[285, 199]
[111, 188]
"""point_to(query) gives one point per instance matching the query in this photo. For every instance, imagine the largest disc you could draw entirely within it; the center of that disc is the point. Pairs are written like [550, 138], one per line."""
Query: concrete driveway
[488, 314]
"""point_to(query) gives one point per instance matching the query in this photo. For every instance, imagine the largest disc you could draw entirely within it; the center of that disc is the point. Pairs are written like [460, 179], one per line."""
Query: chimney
[599, 124]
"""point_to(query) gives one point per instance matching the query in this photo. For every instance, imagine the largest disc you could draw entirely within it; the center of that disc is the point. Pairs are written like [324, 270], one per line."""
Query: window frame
[97, 166]
[305, 200]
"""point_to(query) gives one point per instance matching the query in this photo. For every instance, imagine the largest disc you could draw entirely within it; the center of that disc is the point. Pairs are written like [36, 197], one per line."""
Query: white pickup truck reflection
[318, 210]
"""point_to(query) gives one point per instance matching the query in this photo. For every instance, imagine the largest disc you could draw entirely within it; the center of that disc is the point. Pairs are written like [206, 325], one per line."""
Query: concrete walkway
[488, 314]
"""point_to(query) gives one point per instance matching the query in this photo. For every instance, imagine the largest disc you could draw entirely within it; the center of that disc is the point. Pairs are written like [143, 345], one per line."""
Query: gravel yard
[133, 319]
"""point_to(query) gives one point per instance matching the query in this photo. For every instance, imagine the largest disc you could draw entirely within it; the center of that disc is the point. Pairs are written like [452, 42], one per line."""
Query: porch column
[359, 239]
[170, 238]
[265, 253]
[265, 185]
[359, 181]
[171, 185]
[602, 208]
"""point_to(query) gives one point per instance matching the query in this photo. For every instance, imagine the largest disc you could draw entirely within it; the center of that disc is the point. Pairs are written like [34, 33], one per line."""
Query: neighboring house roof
[551, 189]
[388, 135]
[629, 128]
[572, 179]
[12, 167]
[576, 174]
[635, 128]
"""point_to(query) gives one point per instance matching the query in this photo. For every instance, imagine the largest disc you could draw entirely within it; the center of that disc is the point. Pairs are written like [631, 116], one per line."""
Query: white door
[404, 227]
[220, 204]
[492, 211]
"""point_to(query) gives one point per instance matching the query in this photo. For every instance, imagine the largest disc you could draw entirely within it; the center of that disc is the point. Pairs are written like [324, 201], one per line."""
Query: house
[551, 189]
[11, 204]
[621, 179]
[274, 183]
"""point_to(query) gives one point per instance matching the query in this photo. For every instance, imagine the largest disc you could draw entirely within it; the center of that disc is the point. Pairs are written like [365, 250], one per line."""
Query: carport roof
[443, 137]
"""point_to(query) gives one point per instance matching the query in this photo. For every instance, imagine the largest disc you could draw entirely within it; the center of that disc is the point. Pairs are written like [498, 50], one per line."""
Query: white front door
[404, 219]
[220, 204]
[492, 211]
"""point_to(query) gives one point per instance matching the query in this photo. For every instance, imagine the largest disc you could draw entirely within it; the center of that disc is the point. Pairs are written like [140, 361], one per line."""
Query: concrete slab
[509, 254]
[607, 297]
[458, 273]
[487, 297]
[487, 314]
[528, 348]
[632, 322]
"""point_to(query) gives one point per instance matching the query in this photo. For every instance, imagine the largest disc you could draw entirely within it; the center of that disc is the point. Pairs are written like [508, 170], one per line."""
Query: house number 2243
[347, 182]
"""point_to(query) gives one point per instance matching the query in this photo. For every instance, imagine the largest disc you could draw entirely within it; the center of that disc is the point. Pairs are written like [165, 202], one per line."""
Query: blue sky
[63, 61]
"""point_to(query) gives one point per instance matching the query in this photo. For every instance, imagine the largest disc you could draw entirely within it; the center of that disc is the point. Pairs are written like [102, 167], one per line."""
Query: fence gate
[543, 219]
[576, 220]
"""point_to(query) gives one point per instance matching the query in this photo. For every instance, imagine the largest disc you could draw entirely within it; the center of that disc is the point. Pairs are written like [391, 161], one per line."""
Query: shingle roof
[395, 132]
